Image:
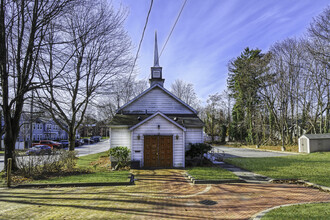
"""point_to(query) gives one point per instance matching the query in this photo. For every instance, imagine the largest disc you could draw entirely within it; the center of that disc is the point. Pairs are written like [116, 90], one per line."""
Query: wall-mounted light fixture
[177, 137]
[138, 137]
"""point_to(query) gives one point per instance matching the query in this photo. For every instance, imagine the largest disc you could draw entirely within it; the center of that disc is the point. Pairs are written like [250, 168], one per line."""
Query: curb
[261, 214]
[301, 182]
[194, 181]
[258, 149]
[275, 151]
[50, 185]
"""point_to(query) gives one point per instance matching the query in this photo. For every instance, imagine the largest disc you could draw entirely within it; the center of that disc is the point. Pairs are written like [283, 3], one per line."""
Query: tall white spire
[156, 70]
[156, 58]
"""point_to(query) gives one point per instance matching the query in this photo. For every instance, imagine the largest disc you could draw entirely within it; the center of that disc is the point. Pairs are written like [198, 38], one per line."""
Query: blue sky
[210, 33]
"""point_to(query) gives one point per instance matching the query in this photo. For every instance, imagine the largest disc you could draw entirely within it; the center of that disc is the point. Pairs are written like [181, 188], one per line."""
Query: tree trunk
[72, 139]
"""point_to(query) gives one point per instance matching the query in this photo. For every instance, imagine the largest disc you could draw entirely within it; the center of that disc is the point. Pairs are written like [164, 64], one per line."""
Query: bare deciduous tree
[23, 27]
[185, 91]
[122, 90]
[294, 97]
[87, 49]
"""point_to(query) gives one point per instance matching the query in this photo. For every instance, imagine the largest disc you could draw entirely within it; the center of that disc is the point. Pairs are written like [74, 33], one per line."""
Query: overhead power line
[137, 52]
[176, 21]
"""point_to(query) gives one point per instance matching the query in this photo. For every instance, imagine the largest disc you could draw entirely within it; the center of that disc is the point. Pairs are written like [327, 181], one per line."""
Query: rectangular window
[34, 126]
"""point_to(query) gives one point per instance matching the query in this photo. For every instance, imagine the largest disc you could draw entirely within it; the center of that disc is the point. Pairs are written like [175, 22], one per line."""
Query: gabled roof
[154, 115]
[162, 88]
[317, 136]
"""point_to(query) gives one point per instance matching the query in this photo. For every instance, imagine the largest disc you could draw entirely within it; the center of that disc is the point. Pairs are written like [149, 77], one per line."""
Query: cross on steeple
[156, 70]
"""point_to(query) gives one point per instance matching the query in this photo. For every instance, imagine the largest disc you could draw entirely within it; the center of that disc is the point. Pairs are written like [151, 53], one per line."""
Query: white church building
[156, 125]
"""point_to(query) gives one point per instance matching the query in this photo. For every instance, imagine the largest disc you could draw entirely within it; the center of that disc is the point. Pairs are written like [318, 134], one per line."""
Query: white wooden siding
[157, 100]
[166, 128]
[120, 137]
[194, 135]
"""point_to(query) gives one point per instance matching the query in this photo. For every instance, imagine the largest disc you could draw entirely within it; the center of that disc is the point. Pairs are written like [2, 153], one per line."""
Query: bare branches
[96, 48]
[185, 92]
[23, 27]
[294, 89]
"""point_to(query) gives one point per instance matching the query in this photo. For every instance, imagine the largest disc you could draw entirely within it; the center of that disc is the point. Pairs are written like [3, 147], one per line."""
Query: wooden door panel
[150, 151]
[158, 151]
[165, 151]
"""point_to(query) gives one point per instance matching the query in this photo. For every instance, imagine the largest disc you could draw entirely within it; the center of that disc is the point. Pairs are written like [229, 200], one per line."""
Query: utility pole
[282, 125]
[1, 129]
[31, 119]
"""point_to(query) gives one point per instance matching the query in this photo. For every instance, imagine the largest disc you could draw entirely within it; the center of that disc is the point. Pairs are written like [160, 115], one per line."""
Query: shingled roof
[187, 121]
[317, 136]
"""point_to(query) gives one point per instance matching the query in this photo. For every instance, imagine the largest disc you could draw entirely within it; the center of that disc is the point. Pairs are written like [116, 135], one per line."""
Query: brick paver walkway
[179, 199]
[158, 194]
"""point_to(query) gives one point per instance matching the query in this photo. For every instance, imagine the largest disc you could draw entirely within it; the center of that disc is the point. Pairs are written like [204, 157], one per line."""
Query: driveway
[82, 150]
[244, 152]
[93, 148]
[158, 194]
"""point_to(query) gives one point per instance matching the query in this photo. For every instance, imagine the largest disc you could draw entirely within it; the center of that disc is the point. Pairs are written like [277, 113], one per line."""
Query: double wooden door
[158, 151]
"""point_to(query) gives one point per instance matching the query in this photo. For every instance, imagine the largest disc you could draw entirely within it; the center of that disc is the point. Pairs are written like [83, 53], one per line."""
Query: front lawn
[304, 211]
[100, 172]
[210, 173]
[312, 167]
[97, 177]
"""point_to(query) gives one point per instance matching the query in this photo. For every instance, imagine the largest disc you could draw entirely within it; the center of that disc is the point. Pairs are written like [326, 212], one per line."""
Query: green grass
[84, 161]
[305, 211]
[312, 167]
[97, 177]
[210, 173]
[99, 174]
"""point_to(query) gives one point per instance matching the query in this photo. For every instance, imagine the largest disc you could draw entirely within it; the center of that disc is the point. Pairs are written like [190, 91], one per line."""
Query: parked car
[88, 141]
[65, 143]
[39, 150]
[77, 143]
[96, 138]
[82, 142]
[52, 144]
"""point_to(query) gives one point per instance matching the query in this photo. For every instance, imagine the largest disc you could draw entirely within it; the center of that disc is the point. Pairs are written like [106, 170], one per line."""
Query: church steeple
[156, 70]
[156, 58]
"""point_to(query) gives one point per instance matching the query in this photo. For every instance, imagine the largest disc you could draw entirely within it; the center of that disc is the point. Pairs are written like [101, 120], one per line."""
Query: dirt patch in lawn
[102, 162]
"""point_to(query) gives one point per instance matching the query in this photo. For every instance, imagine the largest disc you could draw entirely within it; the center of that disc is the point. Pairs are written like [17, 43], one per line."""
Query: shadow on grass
[152, 212]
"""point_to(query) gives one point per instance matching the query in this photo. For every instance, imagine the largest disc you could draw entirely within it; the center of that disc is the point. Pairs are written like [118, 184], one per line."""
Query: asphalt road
[243, 152]
[82, 150]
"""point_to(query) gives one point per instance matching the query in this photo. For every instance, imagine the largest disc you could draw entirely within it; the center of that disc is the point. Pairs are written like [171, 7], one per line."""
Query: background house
[99, 128]
[42, 129]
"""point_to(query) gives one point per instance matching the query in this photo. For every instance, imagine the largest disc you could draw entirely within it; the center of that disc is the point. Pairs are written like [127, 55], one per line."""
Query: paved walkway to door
[181, 199]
